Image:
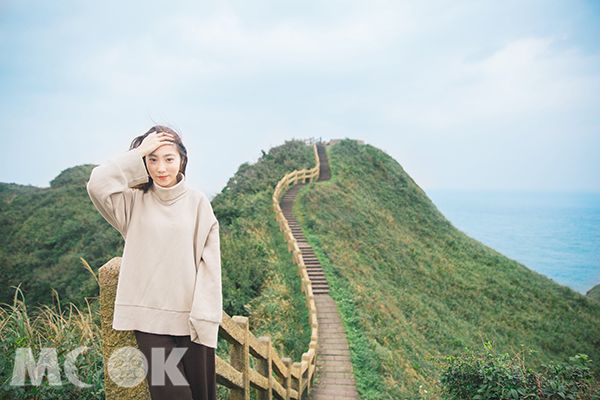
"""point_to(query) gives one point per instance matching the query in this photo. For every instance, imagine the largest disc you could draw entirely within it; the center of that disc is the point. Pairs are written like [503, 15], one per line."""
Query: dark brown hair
[176, 141]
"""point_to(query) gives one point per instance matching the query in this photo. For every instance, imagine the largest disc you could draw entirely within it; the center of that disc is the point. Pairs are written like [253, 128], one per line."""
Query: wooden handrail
[274, 376]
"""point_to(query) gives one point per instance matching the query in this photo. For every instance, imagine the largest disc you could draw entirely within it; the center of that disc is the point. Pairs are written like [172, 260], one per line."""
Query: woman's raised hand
[153, 141]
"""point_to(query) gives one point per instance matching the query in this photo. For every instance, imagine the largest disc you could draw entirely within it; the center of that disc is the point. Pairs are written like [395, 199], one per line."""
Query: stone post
[116, 340]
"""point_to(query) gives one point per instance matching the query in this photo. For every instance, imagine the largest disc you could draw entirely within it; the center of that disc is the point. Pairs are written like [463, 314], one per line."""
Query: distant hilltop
[594, 293]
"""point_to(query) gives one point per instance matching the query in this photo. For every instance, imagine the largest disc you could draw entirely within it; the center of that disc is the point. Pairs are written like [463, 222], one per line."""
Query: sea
[556, 234]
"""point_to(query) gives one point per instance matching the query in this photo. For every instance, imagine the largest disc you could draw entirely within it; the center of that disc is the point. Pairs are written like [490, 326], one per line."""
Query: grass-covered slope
[45, 232]
[412, 288]
[259, 278]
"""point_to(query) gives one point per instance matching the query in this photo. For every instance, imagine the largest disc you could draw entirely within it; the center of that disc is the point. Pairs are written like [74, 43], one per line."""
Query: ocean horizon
[556, 234]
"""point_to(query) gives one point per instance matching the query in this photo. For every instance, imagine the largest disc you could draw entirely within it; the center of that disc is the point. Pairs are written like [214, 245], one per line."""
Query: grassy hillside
[412, 288]
[45, 232]
[259, 278]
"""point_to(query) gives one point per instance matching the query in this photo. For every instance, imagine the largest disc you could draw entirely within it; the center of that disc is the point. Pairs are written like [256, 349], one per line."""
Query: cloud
[527, 75]
[437, 84]
[291, 40]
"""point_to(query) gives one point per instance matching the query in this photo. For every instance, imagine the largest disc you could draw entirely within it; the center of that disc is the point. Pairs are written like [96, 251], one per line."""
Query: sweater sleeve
[109, 187]
[207, 305]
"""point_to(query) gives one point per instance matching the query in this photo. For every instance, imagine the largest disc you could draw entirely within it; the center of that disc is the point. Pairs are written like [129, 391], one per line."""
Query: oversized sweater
[170, 279]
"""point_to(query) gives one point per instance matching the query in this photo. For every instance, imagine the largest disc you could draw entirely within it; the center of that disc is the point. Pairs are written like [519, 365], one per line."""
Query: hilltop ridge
[412, 288]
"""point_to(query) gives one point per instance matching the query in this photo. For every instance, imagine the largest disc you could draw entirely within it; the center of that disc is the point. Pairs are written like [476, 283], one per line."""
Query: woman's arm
[207, 306]
[109, 187]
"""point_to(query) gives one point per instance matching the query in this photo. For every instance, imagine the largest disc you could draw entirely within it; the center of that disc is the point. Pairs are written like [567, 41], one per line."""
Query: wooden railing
[274, 376]
[293, 381]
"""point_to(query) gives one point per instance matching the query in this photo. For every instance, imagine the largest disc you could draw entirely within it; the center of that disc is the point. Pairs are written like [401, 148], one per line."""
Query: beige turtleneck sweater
[170, 279]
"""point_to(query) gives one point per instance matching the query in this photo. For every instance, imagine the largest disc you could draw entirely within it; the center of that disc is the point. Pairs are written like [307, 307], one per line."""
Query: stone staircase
[335, 376]
[313, 266]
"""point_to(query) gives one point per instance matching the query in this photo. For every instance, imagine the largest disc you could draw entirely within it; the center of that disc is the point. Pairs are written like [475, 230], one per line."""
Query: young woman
[169, 289]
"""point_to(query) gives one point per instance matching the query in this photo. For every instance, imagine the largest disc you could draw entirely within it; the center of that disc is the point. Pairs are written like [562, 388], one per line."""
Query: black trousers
[197, 366]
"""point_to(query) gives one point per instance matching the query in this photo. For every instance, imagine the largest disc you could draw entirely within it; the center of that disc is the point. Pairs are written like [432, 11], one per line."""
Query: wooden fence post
[239, 358]
[297, 382]
[265, 368]
[288, 379]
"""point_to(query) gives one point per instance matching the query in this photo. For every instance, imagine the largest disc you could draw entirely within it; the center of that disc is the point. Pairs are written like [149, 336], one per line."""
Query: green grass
[63, 329]
[412, 288]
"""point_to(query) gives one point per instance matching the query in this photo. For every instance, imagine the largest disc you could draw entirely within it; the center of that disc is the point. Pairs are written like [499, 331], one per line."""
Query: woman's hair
[176, 141]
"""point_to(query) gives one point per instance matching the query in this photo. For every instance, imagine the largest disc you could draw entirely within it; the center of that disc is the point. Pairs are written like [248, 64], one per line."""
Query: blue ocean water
[555, 234]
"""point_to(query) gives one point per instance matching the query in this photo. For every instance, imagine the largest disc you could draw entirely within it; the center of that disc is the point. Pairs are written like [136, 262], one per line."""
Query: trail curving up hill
[335, 376]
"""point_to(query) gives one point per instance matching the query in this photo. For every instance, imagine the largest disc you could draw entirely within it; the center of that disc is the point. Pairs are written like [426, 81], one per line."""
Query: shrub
[489, 376]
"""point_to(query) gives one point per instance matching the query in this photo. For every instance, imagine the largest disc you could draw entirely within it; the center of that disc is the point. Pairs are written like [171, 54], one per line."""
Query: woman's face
[163, 165]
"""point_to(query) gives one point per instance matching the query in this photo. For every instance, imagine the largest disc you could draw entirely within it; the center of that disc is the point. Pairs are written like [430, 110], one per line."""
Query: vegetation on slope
[45, 232]
[411, 288]
[51, 327]
[259, 279]
[486, 375]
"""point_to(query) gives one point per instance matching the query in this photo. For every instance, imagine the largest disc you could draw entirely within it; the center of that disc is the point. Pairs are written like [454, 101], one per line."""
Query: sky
[477, 95]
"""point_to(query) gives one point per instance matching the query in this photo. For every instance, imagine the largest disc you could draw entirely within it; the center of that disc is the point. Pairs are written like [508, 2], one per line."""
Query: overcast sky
[464, 94]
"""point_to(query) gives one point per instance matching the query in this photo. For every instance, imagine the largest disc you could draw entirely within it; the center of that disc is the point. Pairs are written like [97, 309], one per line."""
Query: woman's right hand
[153, 141]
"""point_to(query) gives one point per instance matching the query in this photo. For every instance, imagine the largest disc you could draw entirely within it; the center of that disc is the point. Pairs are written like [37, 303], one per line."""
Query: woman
[169, 289]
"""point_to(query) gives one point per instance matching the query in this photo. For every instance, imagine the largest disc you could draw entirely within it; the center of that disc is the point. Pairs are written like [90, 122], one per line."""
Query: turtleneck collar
[169, 195]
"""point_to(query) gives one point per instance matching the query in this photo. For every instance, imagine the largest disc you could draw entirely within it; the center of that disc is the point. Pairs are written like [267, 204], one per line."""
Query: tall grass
[51, 327]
